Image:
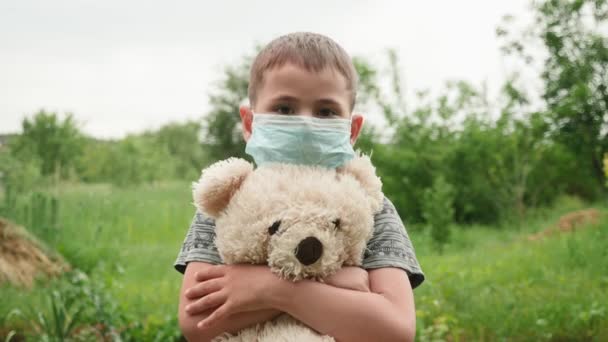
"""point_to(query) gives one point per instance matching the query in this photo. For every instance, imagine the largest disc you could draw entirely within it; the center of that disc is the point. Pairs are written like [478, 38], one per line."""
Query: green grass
[126, 239]
[489, 284]
[135, 233]
[495, 284]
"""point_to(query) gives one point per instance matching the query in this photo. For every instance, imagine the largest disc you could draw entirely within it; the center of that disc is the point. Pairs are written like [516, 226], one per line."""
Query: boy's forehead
[293, 80]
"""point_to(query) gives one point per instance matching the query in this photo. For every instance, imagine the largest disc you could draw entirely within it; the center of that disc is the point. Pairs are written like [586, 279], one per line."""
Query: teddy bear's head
[303, 221]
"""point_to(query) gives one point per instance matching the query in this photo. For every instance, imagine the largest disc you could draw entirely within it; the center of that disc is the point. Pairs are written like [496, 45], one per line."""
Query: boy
[302, 74]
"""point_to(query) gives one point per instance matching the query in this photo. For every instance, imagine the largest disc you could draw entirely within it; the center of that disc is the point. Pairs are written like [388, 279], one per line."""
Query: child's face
[292, 90]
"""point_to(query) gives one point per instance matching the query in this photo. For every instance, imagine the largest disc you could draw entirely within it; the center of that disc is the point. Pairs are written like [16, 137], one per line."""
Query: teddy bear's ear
[218, 183]
[362, 170]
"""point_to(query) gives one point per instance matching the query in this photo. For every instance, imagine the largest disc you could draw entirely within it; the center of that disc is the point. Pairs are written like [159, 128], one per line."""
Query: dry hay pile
[570, 222]
[23, 259]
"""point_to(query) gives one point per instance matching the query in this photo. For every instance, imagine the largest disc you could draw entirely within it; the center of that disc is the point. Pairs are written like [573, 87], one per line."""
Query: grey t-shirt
[390, 246]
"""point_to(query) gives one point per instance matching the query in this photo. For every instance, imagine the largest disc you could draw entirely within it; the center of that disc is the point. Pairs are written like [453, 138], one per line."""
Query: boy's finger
[210, 273]
[215, 317]
[204, 288]
[206, 303]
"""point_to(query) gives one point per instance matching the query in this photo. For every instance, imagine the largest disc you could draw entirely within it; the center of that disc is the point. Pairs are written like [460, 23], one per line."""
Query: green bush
[16, 177]
[76, 307]
[438, 211]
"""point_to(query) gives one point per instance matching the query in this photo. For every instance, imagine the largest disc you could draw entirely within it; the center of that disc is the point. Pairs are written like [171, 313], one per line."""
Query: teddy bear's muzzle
[309, 250]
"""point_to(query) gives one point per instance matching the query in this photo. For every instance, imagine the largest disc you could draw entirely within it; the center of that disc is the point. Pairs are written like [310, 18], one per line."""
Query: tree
[520, 135]
[56, 143]
[222, 136]
[182, 141]
[575, 77]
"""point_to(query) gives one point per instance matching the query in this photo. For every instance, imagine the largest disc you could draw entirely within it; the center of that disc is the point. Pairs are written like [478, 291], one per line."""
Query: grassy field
[497, 285]
[490, 283]
[126, 240]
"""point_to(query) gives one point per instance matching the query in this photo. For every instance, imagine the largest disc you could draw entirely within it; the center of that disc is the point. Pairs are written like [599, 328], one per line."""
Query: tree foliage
[172, 152]
[438, 211]
[54, 142]
[222, 136]
[574, 73]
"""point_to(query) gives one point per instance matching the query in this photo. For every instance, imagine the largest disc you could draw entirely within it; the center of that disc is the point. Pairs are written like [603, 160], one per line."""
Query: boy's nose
[306, 113]
[309, 250]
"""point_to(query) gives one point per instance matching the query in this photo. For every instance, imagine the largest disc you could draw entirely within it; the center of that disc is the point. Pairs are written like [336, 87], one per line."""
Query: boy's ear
[355, 127]
[218, 183]
[364, 172]
[246, 120]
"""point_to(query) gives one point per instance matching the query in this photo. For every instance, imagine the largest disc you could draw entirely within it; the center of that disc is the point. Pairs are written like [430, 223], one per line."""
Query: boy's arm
[232, 324]
[385, 314]
[353, 278]
[198, 252]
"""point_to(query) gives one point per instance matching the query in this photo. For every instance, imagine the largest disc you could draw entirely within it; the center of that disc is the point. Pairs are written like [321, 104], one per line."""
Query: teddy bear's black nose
[309, 250]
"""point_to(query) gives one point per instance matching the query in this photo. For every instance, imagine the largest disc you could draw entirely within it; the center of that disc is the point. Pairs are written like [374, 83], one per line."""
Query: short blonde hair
[311, 51]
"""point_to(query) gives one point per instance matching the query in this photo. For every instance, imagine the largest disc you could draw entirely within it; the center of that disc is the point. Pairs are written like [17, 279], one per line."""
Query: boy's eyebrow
[329, 101]
[286, 98]
[292, 99]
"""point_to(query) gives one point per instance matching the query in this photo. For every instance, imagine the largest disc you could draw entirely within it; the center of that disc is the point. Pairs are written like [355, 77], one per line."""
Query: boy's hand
[230, 289]
[352, 278]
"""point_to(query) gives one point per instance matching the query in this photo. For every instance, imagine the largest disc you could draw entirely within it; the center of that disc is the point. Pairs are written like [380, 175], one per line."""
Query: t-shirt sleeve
[390, 245]
[199, 244]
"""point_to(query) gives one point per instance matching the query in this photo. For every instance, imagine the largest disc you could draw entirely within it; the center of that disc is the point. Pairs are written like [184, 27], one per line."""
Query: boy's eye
[284, 109]
[327, 112]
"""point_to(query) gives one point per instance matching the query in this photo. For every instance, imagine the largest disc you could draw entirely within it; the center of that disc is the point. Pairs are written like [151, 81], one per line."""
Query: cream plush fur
[263, 216]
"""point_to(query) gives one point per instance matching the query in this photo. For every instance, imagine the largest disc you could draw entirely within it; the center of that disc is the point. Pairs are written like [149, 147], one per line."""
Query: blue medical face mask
[297, 139]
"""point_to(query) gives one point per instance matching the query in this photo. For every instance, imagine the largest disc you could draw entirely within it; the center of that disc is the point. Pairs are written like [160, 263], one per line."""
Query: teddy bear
[304, 222]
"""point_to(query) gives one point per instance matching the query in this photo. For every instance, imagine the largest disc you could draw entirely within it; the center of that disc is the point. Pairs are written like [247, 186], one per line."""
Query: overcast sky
[126, 66]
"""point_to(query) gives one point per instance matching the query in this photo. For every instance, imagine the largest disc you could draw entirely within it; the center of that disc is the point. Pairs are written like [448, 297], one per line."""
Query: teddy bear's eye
[274, 228]
[336, 223]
